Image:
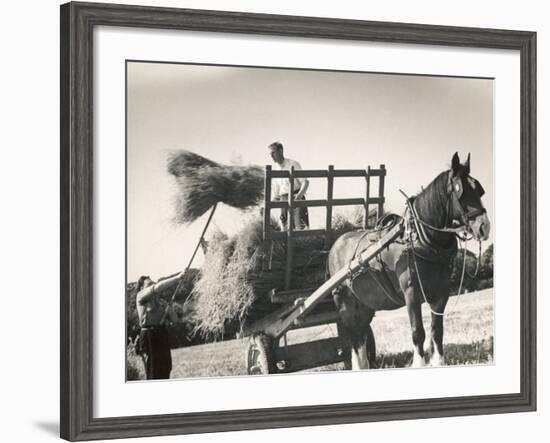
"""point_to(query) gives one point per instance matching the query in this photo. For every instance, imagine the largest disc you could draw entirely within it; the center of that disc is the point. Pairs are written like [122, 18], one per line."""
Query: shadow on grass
[480, 352]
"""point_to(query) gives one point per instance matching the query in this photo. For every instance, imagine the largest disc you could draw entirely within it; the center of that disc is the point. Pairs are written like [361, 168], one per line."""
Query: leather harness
[420, 244]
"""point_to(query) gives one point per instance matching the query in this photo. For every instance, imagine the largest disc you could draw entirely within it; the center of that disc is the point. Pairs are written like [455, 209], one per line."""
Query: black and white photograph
[282, 220]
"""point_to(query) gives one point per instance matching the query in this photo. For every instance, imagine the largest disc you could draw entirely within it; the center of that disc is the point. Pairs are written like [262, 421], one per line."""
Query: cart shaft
[280, 326]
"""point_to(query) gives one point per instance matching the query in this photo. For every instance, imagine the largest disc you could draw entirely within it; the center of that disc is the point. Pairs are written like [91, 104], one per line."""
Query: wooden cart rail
[333, 202]
[320, 173]
[329, 202]
[311, 354]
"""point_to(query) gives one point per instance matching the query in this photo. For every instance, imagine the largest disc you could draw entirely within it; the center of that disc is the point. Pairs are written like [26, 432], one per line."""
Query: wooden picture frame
[77, 217]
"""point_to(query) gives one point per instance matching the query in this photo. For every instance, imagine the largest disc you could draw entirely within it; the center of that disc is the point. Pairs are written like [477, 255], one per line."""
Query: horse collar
[422, 246]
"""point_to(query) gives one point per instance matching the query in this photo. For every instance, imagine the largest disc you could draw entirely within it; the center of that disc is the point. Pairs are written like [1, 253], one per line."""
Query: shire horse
[413, 270]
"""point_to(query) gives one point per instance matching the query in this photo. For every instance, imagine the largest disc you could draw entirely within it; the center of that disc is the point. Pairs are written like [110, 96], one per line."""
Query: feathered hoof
[437, 360]
[418, 361]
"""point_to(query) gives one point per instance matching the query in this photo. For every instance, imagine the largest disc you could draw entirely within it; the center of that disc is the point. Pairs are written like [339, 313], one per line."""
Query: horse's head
[465, 194]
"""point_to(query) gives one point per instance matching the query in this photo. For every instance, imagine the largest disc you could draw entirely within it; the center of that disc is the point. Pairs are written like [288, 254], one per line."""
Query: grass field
[468, 340]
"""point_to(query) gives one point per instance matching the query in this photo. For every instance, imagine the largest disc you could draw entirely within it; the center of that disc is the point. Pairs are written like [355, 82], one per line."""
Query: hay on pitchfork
[223, 294]
[201, 183]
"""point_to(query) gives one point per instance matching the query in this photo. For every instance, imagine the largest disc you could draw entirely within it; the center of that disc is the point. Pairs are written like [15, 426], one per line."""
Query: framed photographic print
[272, 221]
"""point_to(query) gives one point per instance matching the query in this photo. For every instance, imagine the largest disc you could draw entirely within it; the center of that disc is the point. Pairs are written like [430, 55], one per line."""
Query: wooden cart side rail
[328, 203]
[322, 318]
[281, 235]
[330, 197]
[283, 297]
[311, 354]
[279, 204]
[264, 322]
[322, 173]
[326, 316]
[291, 204]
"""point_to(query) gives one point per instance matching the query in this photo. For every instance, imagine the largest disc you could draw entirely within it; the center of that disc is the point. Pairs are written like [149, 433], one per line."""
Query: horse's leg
[353, 327]
[414, 309]
[371, 347]
[344, 336]
[436, 343]
[359, 357]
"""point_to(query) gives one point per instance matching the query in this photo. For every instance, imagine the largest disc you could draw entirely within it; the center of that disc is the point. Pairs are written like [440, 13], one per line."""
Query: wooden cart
[268, 350]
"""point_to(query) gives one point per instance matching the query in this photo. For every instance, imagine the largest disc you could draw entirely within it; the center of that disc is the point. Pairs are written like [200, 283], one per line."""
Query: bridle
[454, 193]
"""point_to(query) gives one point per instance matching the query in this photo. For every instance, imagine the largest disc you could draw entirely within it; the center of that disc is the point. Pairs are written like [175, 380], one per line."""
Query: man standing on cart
[281, 188]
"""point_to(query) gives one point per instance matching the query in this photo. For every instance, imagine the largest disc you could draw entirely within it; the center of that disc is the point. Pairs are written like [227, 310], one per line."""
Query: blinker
[456, 186]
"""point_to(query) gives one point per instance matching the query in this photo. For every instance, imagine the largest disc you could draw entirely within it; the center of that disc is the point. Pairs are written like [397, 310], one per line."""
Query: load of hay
[202, 183]
[239, 272]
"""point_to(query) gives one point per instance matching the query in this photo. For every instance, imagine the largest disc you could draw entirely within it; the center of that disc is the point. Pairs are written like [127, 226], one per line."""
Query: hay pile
[239, 272]
[202, 183]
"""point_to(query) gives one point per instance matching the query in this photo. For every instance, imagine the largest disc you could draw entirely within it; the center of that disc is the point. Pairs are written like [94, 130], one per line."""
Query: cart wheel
[259, 355]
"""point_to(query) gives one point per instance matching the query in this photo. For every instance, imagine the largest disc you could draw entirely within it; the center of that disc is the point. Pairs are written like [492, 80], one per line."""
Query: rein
[459, 291]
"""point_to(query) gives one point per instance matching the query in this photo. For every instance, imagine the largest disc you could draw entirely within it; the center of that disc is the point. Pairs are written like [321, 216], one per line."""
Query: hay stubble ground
[468, 340]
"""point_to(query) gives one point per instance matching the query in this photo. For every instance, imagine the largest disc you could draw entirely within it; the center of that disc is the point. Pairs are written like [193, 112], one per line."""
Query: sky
[412, 124]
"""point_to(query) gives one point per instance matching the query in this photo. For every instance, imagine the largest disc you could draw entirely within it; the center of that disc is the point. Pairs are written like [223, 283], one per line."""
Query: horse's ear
[455, 164]
[467, 164]
[140, 283]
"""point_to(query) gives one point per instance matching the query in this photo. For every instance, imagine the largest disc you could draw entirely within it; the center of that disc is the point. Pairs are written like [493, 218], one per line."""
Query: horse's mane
[431, 202]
